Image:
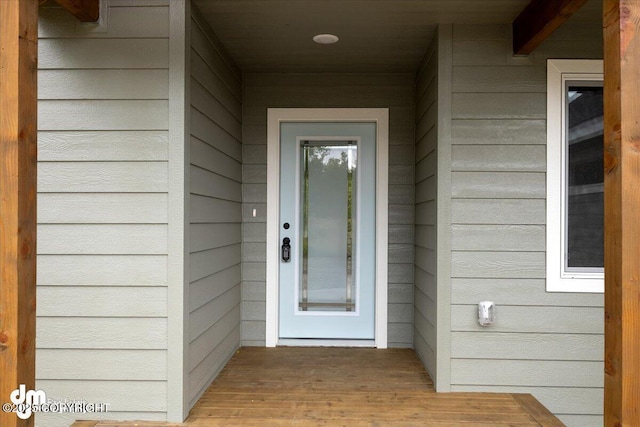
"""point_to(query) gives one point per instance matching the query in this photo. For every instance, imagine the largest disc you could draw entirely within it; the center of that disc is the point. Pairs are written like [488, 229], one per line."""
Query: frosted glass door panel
[328, 210]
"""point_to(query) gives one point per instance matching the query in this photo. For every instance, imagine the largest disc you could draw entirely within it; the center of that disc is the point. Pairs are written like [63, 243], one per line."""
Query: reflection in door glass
[328, 217]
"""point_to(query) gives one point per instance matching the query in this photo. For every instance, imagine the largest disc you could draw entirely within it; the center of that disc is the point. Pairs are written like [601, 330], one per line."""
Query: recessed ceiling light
[325, 39]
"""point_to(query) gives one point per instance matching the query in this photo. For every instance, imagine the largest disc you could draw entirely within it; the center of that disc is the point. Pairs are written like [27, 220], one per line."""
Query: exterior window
[575, 176]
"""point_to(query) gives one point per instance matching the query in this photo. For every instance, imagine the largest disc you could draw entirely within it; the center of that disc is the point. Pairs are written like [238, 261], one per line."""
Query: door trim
[275, 116]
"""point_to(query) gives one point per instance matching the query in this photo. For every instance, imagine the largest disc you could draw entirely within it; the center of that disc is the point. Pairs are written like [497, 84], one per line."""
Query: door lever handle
[286, 249]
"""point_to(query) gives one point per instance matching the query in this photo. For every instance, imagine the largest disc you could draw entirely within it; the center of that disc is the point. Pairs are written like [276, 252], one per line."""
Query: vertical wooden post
[622, 212]
[18, 153]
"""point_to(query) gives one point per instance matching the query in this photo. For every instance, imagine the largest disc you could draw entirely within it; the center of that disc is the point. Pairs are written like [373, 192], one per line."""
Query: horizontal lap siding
[215, 209]
[271, 90]
[102, 211]
[547, 344]
[425, 275]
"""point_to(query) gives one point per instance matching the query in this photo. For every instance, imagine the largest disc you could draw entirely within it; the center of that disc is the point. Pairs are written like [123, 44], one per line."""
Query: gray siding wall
[393, 91]
[425, 276]
[547, 344]
[215, 204]
[102, 210]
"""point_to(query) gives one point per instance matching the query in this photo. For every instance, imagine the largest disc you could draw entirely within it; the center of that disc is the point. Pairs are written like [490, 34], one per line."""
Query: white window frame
[559, 72]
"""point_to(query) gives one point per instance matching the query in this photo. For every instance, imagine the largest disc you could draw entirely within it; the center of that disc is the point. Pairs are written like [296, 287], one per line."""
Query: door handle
[286, 249]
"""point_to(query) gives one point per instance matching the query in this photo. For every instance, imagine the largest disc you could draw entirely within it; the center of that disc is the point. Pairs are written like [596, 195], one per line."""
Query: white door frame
[275, 116]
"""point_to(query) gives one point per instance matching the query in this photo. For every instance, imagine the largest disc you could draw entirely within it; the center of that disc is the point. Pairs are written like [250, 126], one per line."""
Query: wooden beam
[18, 152]
[622, 212]
[83, 10]
[538, 20]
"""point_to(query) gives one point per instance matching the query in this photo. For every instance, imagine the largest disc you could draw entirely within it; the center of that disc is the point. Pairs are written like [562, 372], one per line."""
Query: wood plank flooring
[289, 386]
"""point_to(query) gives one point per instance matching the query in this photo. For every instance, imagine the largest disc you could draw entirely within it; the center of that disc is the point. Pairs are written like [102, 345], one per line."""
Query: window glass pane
[585, 178]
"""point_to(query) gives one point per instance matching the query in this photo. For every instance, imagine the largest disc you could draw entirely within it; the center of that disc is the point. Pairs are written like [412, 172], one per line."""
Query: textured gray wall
[547, 344]
[103, 186]
[425, 303]
[215, 199]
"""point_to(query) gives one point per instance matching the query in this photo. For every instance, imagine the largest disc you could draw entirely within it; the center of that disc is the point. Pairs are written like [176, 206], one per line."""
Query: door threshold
[304, 342]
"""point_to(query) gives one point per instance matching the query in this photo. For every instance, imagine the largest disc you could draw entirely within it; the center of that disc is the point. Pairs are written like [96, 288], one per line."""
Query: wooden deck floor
[346, 387]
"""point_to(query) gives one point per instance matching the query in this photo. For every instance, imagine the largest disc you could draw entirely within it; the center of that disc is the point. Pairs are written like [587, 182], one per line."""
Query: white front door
[327, 230]
[327, 213]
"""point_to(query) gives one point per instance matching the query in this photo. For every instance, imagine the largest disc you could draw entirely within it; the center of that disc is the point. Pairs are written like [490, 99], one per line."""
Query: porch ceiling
[375, 35]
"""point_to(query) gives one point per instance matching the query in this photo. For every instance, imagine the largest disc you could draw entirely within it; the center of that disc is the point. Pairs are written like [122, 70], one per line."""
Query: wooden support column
[622, 212]
[18, 152]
